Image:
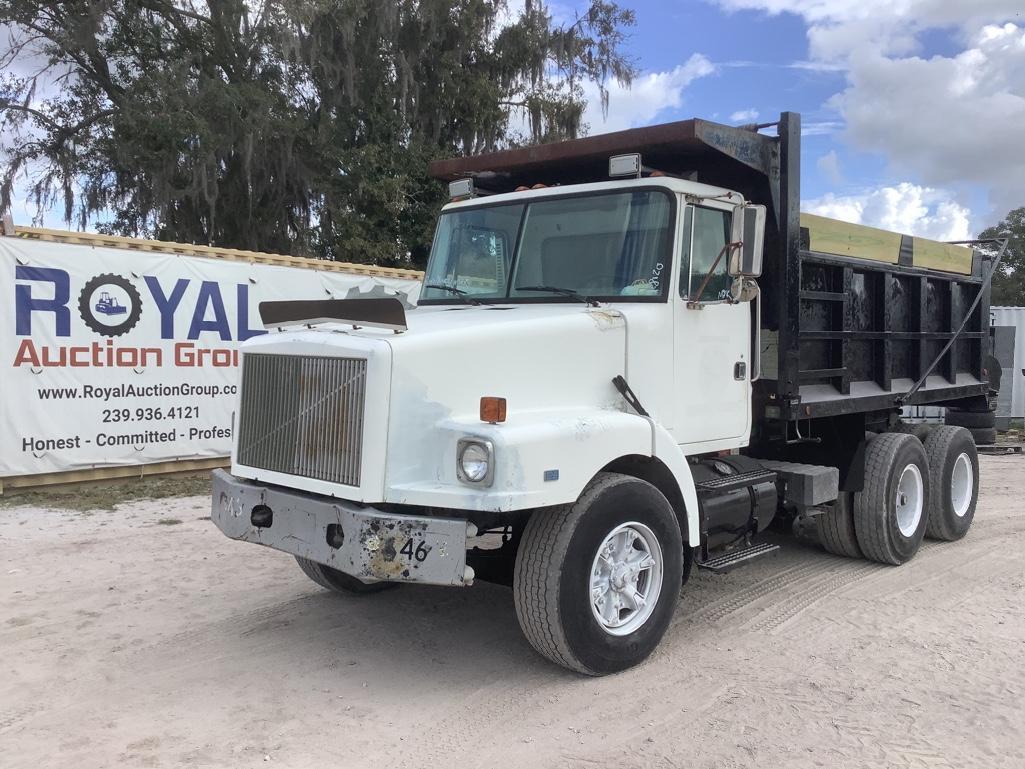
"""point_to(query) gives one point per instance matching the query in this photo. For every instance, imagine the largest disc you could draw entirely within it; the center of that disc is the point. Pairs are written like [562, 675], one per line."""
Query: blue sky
[754, 54]
[914, 109]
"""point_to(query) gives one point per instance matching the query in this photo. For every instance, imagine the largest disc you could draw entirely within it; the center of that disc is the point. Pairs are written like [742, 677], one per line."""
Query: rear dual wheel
[973, 420]
[954, 466]
[836, 528]
[981, 424]
[912, 490]
[891, 511]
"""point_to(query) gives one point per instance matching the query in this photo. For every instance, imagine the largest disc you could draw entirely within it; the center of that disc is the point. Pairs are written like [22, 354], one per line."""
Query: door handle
[740, 371]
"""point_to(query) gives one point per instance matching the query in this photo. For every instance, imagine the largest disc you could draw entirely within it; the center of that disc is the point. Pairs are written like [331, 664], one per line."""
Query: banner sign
[115, 357]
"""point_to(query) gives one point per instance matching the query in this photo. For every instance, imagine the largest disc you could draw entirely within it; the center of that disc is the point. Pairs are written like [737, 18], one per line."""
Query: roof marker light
[461, 188]
[625, 165]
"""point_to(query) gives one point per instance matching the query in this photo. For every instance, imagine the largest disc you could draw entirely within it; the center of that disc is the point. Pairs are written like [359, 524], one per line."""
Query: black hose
[902, 399]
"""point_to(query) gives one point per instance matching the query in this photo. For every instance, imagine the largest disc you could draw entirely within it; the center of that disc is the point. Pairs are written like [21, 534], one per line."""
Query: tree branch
[6, 106]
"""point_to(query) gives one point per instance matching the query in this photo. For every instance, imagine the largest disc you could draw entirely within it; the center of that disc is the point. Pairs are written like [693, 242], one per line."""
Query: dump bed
[853, 316]
[868, 311]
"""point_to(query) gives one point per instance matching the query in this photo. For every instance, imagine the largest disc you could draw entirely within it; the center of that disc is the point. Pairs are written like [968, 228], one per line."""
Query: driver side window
[706, 233]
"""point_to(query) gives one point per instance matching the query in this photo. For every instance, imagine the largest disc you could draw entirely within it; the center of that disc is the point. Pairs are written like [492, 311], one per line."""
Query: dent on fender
[606, 319]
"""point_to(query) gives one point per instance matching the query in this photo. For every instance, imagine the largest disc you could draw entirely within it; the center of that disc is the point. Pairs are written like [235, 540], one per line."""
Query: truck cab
[570, 408]
[632, 255]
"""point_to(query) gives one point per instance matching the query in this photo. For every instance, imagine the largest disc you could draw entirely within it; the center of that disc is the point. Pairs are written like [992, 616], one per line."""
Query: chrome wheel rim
[626, 578]
[910, 500]
[962, 484]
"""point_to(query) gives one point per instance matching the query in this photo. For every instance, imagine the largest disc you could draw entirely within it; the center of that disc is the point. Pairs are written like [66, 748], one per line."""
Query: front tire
[339, 581]
[891, 511]
[596, 582]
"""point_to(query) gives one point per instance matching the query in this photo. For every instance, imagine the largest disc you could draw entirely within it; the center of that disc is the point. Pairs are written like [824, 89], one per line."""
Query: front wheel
[596, 582]
[339, 581]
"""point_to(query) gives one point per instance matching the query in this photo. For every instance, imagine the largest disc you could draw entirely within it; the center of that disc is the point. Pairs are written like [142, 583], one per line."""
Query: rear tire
[984, 436]
[836, 528]
[920, 430]
[954, 467]
[891, 512]
[575, 568]
[338, 581]
[970, 419]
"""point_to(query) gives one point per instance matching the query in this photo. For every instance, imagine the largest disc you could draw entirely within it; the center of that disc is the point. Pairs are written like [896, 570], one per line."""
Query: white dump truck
[600, 388]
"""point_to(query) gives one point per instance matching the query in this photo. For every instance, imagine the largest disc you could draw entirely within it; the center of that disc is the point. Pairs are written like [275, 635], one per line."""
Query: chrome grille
[303, 415]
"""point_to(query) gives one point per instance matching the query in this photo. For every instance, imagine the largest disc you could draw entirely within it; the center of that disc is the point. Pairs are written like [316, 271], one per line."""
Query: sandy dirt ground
[130, 642]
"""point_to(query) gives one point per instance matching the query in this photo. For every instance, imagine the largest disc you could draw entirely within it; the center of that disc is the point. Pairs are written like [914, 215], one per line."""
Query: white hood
[550, 361]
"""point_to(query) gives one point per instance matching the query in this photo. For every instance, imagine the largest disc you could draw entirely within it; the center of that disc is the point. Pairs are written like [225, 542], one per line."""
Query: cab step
[724, 483]
[739, 557]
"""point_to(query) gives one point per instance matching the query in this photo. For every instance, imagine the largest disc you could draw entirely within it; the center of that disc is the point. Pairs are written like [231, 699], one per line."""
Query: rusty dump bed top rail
[685, 147]
[708, 152]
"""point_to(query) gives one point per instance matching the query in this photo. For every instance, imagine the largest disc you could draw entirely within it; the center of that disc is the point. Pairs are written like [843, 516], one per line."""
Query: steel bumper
[360, 541]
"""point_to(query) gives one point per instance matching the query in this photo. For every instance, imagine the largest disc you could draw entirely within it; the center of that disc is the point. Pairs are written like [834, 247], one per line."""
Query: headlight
[475, 461]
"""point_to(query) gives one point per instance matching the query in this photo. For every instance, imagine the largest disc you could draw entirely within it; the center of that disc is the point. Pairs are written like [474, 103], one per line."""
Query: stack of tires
[980, 423]
[920, 481]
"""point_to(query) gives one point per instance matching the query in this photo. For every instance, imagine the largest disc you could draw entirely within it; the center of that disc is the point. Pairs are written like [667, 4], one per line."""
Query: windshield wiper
[562, 292]
[453, 290]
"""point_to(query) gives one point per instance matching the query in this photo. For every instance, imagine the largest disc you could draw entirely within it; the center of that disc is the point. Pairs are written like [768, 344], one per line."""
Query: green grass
[104, 496]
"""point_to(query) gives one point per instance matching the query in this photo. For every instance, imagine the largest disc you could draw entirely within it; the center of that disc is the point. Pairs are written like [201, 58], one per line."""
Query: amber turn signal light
[492, 409]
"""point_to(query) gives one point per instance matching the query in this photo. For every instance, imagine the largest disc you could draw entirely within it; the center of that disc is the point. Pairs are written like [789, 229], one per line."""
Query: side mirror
[749, 229]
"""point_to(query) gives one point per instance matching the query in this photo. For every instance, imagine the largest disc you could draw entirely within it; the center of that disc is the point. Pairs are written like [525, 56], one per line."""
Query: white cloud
[744, 116]
[925, 12]
[946, 121]
[906, 208]
[649, 94]
[829, 165]
[821, 128]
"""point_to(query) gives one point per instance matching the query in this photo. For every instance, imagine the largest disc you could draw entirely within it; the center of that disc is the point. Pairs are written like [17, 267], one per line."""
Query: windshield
[612, 246]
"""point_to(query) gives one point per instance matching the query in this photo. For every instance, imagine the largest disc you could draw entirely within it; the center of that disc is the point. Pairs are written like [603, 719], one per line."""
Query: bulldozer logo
[110, 305]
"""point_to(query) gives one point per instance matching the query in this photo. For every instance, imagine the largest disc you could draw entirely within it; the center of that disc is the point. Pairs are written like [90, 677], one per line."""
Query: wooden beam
[933, 255]
[830, 236]
[228, 254]
[93, 474]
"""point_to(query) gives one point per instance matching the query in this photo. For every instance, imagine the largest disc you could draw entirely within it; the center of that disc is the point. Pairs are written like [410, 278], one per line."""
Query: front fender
[541, 459]
[669, 453]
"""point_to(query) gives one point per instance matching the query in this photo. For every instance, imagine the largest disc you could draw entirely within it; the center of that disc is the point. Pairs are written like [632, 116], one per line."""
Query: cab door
[712, 341]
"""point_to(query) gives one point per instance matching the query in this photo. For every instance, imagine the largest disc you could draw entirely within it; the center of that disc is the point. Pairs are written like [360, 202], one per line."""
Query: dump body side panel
[867, 328]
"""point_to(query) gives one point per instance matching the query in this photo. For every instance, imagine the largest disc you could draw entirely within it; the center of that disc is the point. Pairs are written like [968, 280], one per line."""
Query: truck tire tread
[970, 419]
[536, 586]
[551, 547]
[312, 570]
[836, 528]
[920, 430]
[983, 436]
[940, 448]
[872, 523]
[339, 582]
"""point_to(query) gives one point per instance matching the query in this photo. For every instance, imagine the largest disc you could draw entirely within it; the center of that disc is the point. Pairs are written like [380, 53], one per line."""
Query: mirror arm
[708, 276]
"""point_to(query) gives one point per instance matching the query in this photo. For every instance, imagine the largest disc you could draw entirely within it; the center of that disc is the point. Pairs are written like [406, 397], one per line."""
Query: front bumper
[363, 542]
